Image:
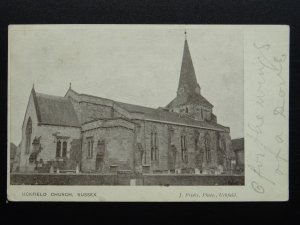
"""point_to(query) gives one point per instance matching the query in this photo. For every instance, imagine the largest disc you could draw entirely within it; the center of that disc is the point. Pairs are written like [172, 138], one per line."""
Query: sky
[133, 64]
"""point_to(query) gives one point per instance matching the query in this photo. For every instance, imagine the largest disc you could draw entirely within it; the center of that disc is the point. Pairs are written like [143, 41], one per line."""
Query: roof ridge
[49, 96]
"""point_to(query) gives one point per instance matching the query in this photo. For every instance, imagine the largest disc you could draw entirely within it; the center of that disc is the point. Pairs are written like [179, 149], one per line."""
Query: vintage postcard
[148, 113]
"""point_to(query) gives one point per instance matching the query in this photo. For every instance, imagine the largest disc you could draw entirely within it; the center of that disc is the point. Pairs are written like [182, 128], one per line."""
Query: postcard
[154, 113]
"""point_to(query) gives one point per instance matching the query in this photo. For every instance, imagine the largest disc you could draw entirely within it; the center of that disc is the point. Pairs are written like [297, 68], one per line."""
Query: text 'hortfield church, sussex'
[89, 134]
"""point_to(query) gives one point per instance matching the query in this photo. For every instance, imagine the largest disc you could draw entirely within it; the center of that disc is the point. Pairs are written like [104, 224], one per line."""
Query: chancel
[81, 133]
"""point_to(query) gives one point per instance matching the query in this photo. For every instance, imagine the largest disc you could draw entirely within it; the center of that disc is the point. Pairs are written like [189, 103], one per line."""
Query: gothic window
[201, 113]
[28, 136]
[90, 143]
[64, 149]
[223, 145]
[207, 148]
[58, 148]
[186, 110]
[184, 154]
[154, 147]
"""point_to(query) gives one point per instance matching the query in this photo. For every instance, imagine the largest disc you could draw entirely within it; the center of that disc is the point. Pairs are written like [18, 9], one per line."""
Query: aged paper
[148, 113]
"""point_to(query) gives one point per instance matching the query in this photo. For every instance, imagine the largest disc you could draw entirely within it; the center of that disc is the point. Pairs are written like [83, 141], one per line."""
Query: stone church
[89, 134]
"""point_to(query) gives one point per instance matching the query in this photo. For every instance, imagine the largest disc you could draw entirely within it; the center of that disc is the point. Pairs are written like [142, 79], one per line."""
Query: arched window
[28, 136]
[186, 110]
[58, 148]
[224, 145]
[154, 147]
[207, 147]
[184, 153]
[64, 149]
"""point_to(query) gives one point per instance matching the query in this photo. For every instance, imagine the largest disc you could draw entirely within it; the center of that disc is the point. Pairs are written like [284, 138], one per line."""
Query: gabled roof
[171, 117]
[158, 114]
[55, 110]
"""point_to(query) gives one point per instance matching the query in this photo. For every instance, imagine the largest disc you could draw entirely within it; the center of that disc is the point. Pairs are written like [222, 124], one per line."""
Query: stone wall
[190, 180]
[169, 145]
[48, 140]
[124, 179]
[30, 113]
[119, 149]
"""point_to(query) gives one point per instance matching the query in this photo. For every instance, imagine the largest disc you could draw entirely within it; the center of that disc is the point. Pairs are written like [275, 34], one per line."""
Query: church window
[184, 153]
[207, 148]
[186, 110]
[64, 149]
[90, 143]
[201, 113]
[28, 136]
[58, 148]
[154, 147]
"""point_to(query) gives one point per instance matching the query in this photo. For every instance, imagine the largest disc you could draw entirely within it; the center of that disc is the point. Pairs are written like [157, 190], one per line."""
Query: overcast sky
[132, 64]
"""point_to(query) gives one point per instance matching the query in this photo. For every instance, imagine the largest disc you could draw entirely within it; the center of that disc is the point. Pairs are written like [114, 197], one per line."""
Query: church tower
[189, 100]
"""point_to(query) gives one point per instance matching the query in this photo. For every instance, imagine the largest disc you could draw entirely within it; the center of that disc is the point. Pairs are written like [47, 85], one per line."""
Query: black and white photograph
[127, 106]
[148, 113]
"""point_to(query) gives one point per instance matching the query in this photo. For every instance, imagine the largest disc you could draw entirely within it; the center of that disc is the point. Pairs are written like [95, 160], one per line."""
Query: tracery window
[64, 149]
[90, 143]
[207, 148]
[184, 153]
[58, 148]
[154, 147]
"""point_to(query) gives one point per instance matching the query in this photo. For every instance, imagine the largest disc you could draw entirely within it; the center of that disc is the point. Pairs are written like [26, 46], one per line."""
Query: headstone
[77, 168]
[51, 169]
[178, 171]
[197, 171]
[132, 182]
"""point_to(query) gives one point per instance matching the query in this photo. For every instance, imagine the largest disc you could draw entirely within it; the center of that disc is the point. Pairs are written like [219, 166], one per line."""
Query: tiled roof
[238, 144]
[193, 99]
[159, 114]
[54, 110]
[171, 117]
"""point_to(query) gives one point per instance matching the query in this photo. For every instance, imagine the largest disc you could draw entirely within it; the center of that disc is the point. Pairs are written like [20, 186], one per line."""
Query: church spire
[187, 81]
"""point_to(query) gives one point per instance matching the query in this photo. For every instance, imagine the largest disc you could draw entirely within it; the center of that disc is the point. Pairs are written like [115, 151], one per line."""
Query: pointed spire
[187, 80]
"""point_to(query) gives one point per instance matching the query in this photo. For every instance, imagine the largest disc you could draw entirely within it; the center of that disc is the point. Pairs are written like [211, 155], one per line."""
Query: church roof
[193, 99]
[188, 82]
[187, 73]
[155, 114]
[172, 117]
[55, 110]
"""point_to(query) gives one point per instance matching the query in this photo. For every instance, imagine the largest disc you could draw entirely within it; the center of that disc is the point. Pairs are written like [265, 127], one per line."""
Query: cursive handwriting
[256, 127]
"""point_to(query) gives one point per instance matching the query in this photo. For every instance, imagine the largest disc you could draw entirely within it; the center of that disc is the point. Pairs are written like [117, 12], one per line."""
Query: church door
[99, 163]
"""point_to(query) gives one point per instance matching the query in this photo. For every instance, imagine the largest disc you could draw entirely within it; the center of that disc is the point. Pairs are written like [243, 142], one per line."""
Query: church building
[89, 134]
